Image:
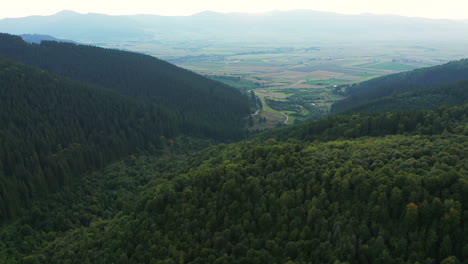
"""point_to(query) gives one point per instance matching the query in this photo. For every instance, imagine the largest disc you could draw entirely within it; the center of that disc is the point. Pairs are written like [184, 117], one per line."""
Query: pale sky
[447, 9]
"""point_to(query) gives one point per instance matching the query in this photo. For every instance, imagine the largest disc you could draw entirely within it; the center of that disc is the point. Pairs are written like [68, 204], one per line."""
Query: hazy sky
[450, 9]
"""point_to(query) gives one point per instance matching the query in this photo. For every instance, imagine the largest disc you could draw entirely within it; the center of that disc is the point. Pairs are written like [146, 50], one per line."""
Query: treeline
[401, 83]
[206, 107]
[282, 106]
[428, 98]
[424, 122]
[54, 129]
[397, 199]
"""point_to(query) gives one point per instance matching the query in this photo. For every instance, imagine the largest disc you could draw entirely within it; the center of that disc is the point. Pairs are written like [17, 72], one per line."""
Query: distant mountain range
[282, 27]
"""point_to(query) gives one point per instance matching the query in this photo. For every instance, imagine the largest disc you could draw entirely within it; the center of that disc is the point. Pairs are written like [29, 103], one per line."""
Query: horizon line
[245, 12]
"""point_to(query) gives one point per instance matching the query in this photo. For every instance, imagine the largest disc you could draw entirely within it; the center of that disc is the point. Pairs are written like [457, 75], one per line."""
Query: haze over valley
[285, 53]
[287, 137]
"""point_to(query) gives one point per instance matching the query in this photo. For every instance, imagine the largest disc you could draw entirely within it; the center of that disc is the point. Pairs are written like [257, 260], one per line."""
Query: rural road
[257, 105]
[287, 118]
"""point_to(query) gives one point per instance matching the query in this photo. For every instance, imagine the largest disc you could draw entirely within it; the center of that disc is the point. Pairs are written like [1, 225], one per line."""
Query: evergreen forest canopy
[96, 167]
[55, 129]
[204, 107]
[426, 98]
[372, 199]
[418, 89]
[37, 38]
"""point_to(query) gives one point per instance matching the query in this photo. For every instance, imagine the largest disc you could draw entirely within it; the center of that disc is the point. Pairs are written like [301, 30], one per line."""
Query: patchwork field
[296, 81]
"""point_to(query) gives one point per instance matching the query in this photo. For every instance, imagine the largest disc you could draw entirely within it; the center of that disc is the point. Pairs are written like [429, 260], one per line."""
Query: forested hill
[401, 83]
[384, 199]
[422, 122]
[37, 38]
[54, 129]
[425, 98]
[206, 107]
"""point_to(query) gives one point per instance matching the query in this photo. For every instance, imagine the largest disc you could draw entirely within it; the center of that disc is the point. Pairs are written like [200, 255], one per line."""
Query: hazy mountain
[75, 26]
[37, 39]
[288, 26]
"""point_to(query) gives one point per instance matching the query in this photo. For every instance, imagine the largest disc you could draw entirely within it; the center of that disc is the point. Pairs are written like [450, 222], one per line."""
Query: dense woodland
[404, 82]
[54, 129]
[104, 166]
[423, 122]
[382, 199]
[205, 107]
[426, 98]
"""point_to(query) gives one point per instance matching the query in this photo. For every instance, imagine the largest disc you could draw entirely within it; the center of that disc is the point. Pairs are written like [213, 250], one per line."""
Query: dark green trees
[54, 129]
[204, 107]
[417, 82]
[365, 201]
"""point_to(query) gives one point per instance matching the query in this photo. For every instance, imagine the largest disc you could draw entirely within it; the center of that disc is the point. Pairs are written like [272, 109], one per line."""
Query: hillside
[426, 98]
[206, 107]
[381, 199]
[399, 83]
[421, 122]
[55, 129]
[35, 38]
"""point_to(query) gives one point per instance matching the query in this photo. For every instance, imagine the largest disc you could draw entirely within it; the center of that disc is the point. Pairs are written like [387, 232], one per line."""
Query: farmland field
[294, 80]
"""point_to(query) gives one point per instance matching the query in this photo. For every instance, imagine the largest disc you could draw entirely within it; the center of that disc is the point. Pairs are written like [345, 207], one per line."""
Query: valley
[282, 74]
[297, 53]
[286, 137]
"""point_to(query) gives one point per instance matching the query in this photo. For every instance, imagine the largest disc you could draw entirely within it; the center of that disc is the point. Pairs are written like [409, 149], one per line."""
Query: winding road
[257, 105]
[287, 118]
[258, 111]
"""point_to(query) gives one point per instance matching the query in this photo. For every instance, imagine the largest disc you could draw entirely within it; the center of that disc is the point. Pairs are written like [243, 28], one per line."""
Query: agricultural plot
[293, 81]
[297, 104]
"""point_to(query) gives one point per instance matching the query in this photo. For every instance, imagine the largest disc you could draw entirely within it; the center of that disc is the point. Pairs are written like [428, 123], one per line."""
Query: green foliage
[397, 199]
[306, 104]
[282, 106]
[427, 98]
[443, 120]
[54, 130]
[236, 81]
[405, 82]
[205, 107]
[375, 188]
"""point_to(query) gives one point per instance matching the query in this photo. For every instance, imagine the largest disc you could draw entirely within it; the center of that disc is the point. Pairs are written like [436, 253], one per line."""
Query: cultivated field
[295, 80]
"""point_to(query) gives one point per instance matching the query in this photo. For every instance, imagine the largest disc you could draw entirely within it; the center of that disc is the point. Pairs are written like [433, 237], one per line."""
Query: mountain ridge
[322, 25]
[35, 38]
